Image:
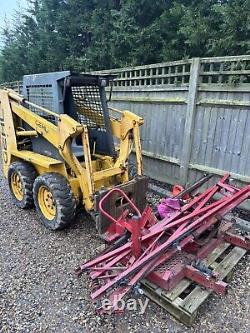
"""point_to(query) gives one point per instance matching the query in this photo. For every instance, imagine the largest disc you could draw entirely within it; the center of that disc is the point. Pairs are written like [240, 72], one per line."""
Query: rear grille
[42, 96]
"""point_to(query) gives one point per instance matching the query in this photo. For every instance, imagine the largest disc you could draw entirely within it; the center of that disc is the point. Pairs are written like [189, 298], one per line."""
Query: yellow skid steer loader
[63, 147]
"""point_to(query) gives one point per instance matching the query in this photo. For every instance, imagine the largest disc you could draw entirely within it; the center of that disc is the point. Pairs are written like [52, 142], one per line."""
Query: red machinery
[141, 246]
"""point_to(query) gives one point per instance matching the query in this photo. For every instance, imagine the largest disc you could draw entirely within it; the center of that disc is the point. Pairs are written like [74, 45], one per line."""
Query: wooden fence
[197, 116]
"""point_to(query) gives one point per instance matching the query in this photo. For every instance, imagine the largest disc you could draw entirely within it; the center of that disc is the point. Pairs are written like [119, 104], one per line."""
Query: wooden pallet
[184, 301]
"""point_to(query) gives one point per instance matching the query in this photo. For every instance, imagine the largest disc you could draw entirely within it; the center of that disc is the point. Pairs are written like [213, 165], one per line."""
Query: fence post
[189, 120]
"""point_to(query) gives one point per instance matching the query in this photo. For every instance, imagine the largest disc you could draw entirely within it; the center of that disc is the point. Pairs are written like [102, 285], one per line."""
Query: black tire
[63, 200]
[27, 175]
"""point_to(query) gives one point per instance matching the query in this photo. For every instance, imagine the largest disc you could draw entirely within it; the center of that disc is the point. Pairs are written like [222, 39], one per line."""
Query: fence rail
[197, 115]
[15, 85]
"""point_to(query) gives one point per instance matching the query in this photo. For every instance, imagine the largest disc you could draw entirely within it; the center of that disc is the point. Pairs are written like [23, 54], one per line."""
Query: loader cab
[82, 97]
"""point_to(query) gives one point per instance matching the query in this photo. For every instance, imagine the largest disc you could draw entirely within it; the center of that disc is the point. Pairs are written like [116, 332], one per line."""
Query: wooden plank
[155, 76]
[186, 309]
[219, 172]
[216, 253]
[176, 291]
[192, 302]
[168, 296]
[149, 100]
[190, 120]
[216, 87]
[169, 159]
[152, 286]
[174, 310]
[230, 261]
[222, 103]
[226, 58]
[157, 65]
[230, 72]
[147, 89]
[199, 294]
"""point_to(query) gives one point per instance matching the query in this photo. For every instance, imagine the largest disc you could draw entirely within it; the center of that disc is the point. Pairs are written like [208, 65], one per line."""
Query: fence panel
[197, 115]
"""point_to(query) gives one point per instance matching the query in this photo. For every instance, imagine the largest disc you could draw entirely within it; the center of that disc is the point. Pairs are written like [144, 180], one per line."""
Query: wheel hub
[47, 203]
[17, 186]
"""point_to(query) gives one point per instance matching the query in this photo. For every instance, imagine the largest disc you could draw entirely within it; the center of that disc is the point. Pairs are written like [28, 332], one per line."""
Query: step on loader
[62, 147]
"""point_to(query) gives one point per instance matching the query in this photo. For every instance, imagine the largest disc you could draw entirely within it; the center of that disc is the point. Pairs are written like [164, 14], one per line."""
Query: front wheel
[54, 201]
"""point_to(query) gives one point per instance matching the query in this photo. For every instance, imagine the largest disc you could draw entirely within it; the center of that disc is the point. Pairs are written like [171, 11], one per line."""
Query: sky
[7, 7]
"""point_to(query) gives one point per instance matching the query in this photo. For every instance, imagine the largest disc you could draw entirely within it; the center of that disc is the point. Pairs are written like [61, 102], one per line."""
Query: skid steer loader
[62, 147]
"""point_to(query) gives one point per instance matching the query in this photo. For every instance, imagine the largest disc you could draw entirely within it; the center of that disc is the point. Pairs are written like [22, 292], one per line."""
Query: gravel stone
[40, 293]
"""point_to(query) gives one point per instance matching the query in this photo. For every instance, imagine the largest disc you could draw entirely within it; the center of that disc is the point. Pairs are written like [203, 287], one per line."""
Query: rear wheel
[21, 177]
[54, 201]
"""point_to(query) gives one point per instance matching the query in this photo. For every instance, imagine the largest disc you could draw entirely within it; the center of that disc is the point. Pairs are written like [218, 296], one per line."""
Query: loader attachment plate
[135, 189]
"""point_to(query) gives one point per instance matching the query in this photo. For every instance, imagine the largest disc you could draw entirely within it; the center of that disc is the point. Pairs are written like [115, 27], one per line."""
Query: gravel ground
[39, 292]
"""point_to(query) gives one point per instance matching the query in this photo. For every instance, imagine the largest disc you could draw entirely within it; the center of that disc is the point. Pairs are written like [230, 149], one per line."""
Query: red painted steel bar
[243, 242]
[229, 202]
[153, 233]
[151, 245]
[195, 275]
[156, 229]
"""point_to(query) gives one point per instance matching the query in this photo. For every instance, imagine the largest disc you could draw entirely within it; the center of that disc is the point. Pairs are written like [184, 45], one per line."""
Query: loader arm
[127, 131]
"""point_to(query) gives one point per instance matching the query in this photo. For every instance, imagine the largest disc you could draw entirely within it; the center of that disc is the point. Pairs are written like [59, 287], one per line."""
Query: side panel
[44, 90]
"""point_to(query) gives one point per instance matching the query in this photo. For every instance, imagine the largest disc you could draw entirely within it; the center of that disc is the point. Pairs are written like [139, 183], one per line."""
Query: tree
[84, 35]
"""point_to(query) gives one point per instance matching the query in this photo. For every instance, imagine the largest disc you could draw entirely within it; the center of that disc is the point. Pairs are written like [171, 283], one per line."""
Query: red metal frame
[219, 287]
[237, 240]
[152, 243]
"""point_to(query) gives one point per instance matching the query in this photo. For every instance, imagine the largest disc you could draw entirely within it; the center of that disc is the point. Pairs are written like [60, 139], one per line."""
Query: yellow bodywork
[85, 178]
